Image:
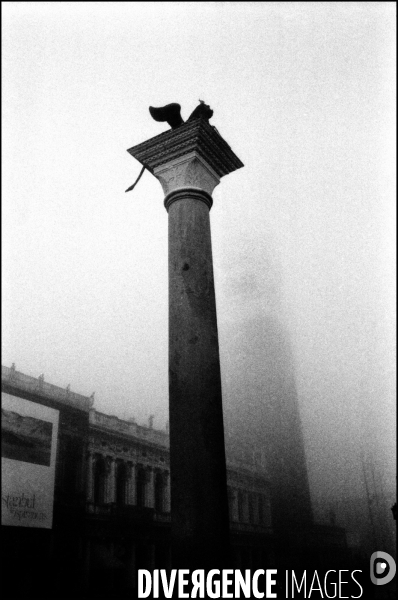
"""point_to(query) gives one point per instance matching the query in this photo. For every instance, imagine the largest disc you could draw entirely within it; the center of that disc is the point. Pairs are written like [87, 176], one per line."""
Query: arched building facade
[112, 505]
[128, 482]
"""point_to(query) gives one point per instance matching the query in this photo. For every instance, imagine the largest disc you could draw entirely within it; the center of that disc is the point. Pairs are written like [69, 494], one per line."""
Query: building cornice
[128, 430]
[193, 136]
[17, 381]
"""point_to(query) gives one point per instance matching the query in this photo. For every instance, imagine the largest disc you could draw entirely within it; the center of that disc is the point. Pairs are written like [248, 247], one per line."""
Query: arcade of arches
[111, 480]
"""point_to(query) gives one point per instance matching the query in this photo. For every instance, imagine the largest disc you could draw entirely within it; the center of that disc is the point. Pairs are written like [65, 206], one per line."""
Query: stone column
[150, 488]
[82, 472]
[90, 476]
[110, 480]
[189, 162]
[166, 505]
[131, 484]
[197, 456]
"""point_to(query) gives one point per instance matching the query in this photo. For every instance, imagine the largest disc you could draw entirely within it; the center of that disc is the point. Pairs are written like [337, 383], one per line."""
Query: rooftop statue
[171, 113]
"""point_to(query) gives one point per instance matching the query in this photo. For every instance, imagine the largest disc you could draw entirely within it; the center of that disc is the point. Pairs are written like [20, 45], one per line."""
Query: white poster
[28, 453]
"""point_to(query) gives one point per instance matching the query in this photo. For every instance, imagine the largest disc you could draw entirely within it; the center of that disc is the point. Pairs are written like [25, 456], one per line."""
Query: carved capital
[189, 171]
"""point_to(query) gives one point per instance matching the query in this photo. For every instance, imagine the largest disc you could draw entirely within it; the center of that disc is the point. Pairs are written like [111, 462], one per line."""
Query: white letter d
[148, 583]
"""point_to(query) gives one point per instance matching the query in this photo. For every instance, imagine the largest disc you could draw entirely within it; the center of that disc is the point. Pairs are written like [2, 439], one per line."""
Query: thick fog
[303, 235]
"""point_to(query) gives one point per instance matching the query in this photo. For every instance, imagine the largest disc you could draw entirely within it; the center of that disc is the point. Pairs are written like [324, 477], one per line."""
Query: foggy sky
[304, 234]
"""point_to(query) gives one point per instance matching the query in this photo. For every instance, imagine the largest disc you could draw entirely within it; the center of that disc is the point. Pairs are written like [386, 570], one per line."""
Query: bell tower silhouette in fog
[267, 417]
[260, 390]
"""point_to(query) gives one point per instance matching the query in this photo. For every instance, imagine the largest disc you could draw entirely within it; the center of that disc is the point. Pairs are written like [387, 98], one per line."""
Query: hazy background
[303, 235]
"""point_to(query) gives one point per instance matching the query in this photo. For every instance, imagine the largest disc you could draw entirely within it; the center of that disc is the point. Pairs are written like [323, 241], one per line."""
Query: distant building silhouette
[112, 505]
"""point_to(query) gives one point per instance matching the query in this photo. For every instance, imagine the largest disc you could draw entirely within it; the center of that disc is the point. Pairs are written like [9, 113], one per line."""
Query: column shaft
[150, 488]
[90, 477]
[111, 474]
[166, 505]
[197, 456]
[131, 485]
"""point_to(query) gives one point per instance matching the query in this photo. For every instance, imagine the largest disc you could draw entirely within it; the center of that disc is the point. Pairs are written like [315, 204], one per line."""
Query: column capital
[192, 156]
[188, 171]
